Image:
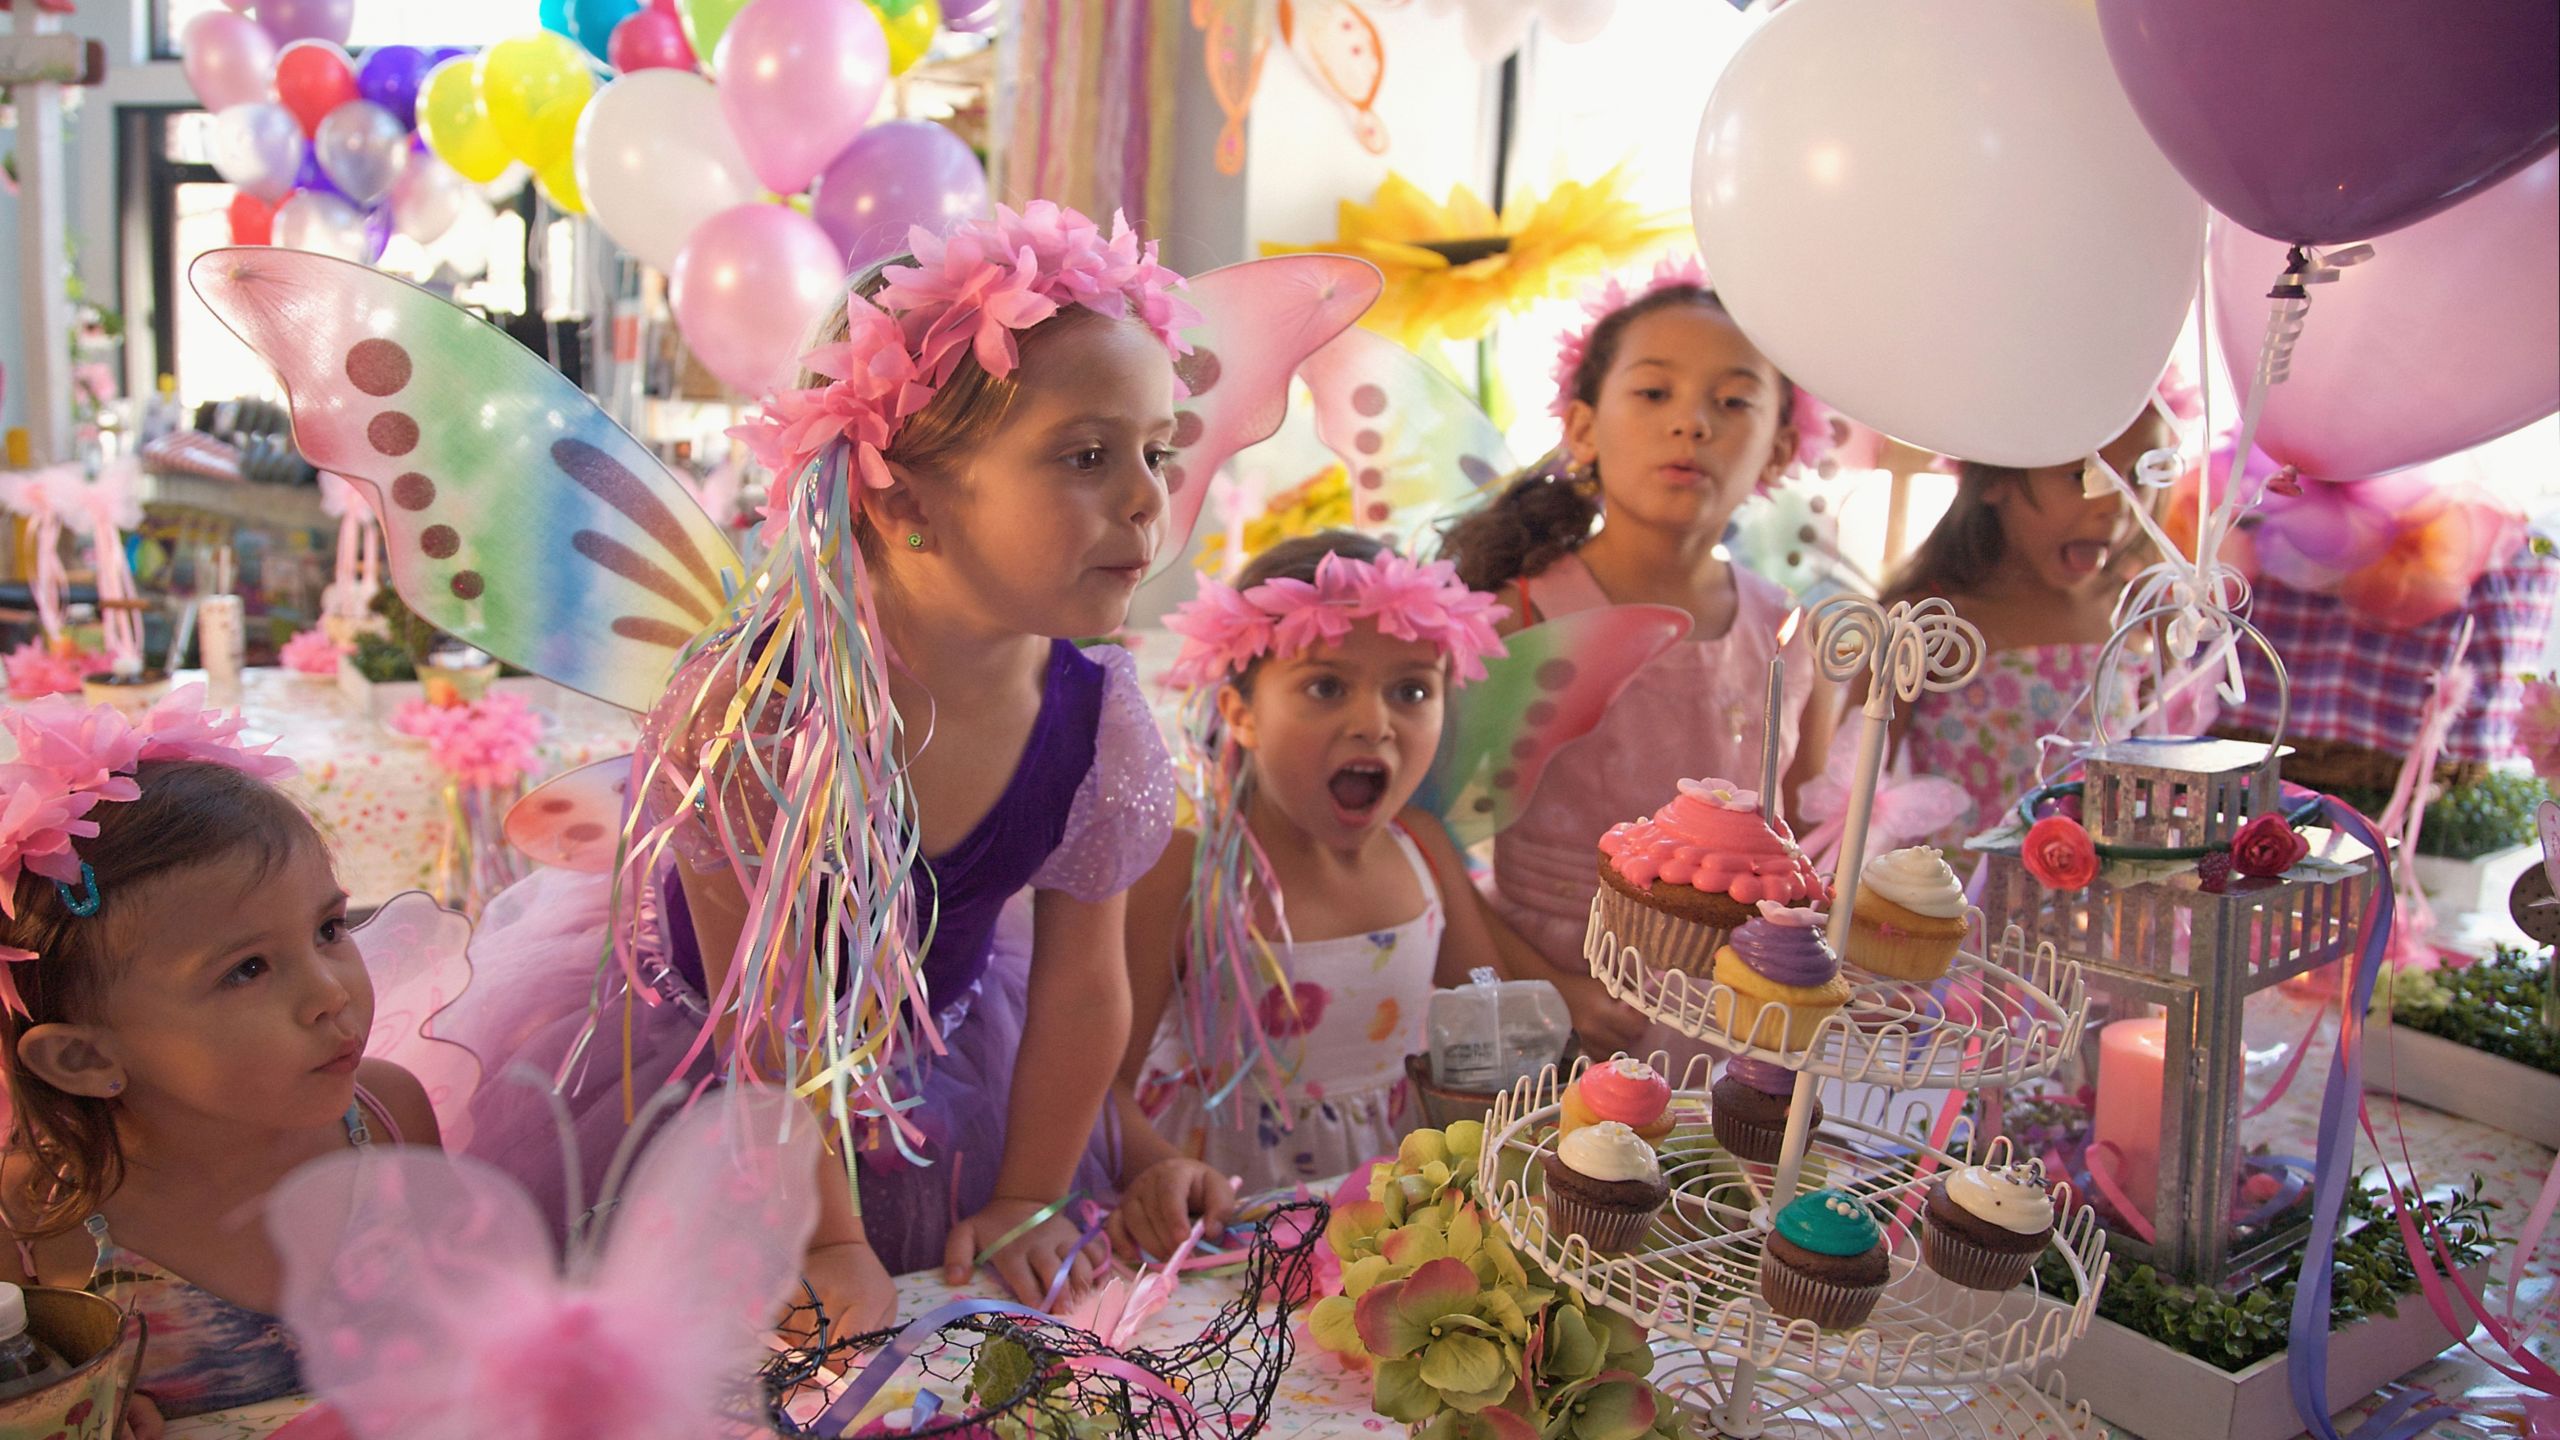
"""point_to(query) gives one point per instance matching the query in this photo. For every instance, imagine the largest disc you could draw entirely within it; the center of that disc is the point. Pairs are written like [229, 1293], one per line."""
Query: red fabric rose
[2267, 847]
[2060, 854]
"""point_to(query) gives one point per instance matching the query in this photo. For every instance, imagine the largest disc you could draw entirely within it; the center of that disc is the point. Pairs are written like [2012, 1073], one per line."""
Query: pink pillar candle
[2132, 1057]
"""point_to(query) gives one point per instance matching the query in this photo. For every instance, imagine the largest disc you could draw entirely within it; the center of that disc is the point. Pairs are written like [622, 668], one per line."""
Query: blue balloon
[390, 78]
[555, 16]
[591, 22]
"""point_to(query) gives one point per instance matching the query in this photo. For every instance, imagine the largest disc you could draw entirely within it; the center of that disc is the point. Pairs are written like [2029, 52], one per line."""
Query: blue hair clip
[85, 901]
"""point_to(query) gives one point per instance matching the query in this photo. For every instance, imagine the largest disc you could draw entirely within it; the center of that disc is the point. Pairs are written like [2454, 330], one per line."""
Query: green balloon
[705, 21]
[892, 9]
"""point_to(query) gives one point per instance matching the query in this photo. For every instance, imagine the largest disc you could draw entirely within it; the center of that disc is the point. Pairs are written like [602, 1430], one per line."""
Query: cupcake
[1603, 1184]
[127, 688]
[1983, 1228]
[1750, 1108]
[1778, 959]
[1673, 884]
[1627, 1091]
[1825, 1262]
[1910, 915]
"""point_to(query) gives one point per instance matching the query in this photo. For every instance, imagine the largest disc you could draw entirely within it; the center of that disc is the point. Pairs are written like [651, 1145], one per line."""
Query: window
[382, 22]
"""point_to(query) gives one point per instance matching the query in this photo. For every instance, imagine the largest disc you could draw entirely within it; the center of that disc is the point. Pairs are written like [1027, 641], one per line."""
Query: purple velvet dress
[1086, 812]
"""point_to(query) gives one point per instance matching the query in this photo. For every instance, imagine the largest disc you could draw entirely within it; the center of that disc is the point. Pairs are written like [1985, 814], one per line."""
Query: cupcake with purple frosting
[1749, 1108]
[1778, 966]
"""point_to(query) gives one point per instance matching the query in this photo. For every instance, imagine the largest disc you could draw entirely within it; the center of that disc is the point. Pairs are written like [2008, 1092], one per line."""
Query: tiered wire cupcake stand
[1935, 1359]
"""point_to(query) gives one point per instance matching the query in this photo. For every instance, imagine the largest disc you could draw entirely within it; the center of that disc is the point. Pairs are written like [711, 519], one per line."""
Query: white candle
[2132, 1061]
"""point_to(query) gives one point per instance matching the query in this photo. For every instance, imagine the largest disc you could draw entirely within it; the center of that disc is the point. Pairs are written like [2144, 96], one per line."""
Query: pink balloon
[895, 175]
[2448, 337]
[748, 289]
[227, 59]
[798, 80]
[650, 40]
[289, 20]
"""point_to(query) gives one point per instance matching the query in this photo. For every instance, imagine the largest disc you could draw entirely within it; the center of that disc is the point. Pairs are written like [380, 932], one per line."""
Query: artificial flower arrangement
[314, 654]
[486, 744]
[1463, 1339]
[39, 668]
[2059, 852]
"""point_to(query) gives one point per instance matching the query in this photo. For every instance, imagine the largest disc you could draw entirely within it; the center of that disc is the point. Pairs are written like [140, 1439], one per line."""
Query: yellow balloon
[910, 32]
[533, 87]
[560, 182]
[456, 128]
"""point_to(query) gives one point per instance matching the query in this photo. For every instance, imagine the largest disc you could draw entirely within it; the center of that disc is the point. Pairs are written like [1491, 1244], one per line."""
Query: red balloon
[650, 40]
[252, 220]
[312, 79]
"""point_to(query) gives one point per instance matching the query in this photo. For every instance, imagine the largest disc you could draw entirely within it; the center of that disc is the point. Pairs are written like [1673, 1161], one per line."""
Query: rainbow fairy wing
[1416, 446]
[1258, 322]
[1557, 681]
[574, 821]
[515, 514]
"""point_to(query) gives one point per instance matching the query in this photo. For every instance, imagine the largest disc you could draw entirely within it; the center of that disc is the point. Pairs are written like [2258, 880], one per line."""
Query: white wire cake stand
[1798, 1409]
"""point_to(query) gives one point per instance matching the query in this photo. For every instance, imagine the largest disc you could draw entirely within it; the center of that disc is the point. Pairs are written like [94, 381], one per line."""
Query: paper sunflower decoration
[1319, 503]
[1453, 269]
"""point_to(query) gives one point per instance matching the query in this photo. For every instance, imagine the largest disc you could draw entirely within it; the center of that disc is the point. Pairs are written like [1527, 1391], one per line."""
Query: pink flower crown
[1812, 418]
[73, 758]
[966, 294]
[1225, 630]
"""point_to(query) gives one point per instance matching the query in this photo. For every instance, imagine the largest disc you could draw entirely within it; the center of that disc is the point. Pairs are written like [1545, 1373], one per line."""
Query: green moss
[2493, 1006]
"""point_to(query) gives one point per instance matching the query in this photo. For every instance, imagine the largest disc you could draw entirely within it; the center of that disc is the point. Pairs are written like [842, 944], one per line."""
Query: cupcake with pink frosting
[1676, 883]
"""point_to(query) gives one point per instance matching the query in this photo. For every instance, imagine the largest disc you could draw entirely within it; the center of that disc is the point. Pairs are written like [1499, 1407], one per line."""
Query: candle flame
[1787, 627]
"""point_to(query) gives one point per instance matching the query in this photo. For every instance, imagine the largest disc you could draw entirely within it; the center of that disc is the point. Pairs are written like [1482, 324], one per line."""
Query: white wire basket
[1696, 1273]
[1997, 1020]
[1790, 1407]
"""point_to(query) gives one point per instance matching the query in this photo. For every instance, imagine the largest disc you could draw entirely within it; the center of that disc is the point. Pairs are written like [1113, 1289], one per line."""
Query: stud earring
[915, 540]
[115, 1087]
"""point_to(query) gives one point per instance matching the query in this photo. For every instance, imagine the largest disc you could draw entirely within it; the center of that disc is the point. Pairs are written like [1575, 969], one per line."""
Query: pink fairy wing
[1339, 46]
[574, 821]
[1413, 444]
[1258, 322]
[708, 1234]
[418, 954]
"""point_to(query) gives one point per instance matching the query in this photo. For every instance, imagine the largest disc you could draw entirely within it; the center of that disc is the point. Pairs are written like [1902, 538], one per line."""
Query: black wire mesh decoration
[1224, 1377]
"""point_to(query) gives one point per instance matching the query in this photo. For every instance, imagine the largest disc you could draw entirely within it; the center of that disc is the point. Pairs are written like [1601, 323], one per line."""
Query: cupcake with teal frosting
[1825, 1260]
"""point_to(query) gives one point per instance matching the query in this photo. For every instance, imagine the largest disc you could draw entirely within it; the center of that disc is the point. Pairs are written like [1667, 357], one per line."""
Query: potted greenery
[379, 675]
[2476, 1040]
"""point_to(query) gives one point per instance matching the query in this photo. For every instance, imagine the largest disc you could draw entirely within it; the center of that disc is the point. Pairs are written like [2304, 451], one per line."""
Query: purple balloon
[969, 17]
[377, 233]
[390, 78]
[442, 53]
[897, 174]
[2448, 337]
[289, 20]
[2320, 123]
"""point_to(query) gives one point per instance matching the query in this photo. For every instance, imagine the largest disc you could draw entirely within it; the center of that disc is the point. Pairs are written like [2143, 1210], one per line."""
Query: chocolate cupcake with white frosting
[1983, 1228]
[1604, 1183]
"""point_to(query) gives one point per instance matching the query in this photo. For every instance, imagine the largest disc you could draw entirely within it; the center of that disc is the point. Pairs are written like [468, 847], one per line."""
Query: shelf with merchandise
[1696, 1273]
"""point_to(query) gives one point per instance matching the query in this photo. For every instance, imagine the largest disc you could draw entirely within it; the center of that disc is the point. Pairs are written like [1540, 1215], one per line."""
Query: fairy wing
[1258, 322]
[1415, 445]
[417, 952]
[1557, 681]
[1235, 35]
[517, 516]
[1338, 45]
[574, 821]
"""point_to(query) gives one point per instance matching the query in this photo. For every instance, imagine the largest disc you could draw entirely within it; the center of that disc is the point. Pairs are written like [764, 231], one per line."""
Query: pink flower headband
[74, 757]
[966, 293]
[1225, 630]
[1812, 418]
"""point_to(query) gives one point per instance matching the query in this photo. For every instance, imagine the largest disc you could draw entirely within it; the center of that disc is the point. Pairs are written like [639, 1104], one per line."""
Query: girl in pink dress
[1672, 419]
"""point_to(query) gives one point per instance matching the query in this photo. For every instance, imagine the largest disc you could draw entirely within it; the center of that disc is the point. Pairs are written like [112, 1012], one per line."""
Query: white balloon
[464, 246]
[1945, 220]
[362, 147]
[428, 198]
[322, 224]
[258, 148]
[655, 159]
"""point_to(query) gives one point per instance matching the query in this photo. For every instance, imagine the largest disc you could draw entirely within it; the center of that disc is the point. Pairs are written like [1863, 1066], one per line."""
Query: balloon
[910, 31]
[969, 17]
[592, 23]
[362, 146]
[1865, 196]
[897, 174]
[312, 79]
[554, 16]
[442, 53]
[748, 288]
[390, 78]
[651, 40]
[2321, 123]
[705, 21]
[258, 148]
[454, 124]
[311, 178]
[533, 88]
[252, 219]
[377, 234]
[286, 21]
[560, 187]
[2448, 337]
[427, 199]
[655, 160]
[322, 224]
[798, 80]
[464, 248]
[227, 59]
